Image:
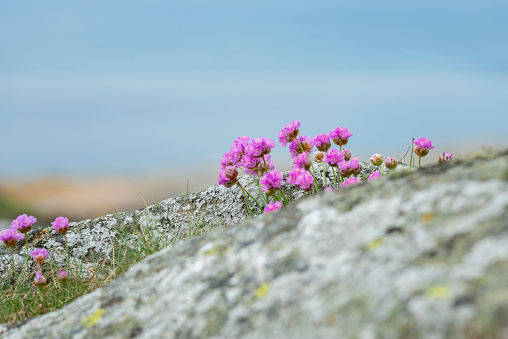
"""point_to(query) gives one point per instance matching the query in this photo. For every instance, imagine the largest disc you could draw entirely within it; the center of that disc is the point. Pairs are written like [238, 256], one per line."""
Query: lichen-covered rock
[413, 255]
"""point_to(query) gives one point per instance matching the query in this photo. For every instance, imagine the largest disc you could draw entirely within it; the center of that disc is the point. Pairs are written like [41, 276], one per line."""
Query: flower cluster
[391, 162]
[39, 255]
[302, 144]
[273, 206]
[444, 158]
[289, 132]
[340, 136]
[333, 157]
[301, 177]
[23, 223]
[351, 167]
[422, 146]
[350, 181]
[61, 225]
[10, 237]
[271, 182]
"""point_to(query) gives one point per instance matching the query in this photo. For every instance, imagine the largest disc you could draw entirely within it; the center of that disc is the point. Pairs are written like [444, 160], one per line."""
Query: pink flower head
[39, 255]
[301, 145]
[318, 156]
[333, 157]
[271, 182]
[10, 237]
[348, 168]
[374, 175]
[61, 225]
[227, 160]
[23, 223]
[376, 159]
[350, 181]
[273, 206]
[445, 157]
[62, 276]
[347, 154]
[305, 181]
[391, 162]
[302, 161]
[237, 149]
[340, 136]
[322, 142]
[329, 188]
[259, 165]
[39, 280]
[227, 176]
[289, 132]
[294, 174]
[260, 147]
[422, 146]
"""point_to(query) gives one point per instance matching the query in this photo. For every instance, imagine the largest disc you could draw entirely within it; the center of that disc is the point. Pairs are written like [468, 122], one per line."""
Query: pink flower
[376, 159]
[237, 149]
[39, 255]
[391, 162]
[227, 176]
[301, 145]
[444, 157]
[347, 154]
[300, 177]
[302, 161]
[318, 156]
[227, 160]
[422, 146]
[258, 166]
[39, 280]
[333, 157]
[350, 181]
[348, 168]
[322, 142]
[62, 276]
[374, 175]
[329, 188]
[260, 147]
[340, 136]
[273, 206]
[61, 225]
[289, 132]
[10, 237]
[23, 223]
[271, 182]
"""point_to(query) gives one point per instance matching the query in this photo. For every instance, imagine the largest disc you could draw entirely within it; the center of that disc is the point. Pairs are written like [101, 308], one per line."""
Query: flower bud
[444, 158]
[391, 162]
[39, 280]
[376, 159]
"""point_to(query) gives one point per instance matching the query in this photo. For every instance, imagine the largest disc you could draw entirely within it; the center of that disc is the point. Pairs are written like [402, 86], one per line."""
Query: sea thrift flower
[23, 223]
[226, 180]
[61, 225]
[62, 276]
[10, 237]
[391, 162]
[294, 174]
[237, 149]
[350, 181]
[348, 168]
[301, 177]
[227, 160]
[347, 154]
[260, 147]
[289, 132]
[261, 165]
[322, 142]
[340, 136]
[333, 157]
[422, 146]
[318, 156]
[271, 182]
[39, 255]
[39, 280]
[300, 145]
[376, 159]
[445, 157]
[302, 161]
[273, 206]
[374, 175]
[329, 188]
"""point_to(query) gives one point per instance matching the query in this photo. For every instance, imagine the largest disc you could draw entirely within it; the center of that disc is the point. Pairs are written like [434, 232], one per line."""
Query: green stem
[67, 250]
[247, 200]
[27, 265]
[12, 266]
[318, 189]
[284, 197]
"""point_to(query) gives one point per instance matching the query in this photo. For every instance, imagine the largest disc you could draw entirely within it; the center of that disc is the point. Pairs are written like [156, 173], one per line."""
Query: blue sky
[124, 86]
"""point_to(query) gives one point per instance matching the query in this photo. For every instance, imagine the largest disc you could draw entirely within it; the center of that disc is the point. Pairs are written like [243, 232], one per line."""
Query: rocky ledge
[411, 255]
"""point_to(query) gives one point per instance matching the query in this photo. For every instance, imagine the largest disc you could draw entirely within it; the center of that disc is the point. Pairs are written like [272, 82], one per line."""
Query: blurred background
[103, 103]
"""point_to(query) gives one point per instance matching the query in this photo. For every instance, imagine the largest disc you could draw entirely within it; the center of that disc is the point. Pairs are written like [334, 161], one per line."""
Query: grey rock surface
[411, 255]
